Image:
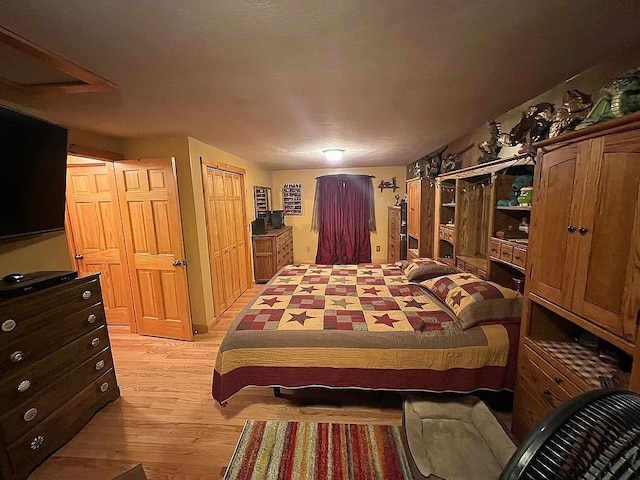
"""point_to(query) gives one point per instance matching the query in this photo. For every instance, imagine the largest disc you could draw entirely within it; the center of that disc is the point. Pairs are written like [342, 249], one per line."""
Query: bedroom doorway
[227, 236]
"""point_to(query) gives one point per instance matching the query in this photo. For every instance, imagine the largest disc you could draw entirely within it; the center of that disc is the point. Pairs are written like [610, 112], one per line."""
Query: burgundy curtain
[344, 219]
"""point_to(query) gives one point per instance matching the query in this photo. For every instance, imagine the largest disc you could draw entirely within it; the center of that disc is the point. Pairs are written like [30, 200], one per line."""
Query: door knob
[78, 256]
[583, 230]
[571, 228]
[177, 263]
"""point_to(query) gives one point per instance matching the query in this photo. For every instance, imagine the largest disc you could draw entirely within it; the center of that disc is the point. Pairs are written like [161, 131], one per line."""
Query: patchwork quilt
[359, 326]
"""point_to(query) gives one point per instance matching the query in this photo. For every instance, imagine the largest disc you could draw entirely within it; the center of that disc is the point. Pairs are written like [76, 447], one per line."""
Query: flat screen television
[33, 162]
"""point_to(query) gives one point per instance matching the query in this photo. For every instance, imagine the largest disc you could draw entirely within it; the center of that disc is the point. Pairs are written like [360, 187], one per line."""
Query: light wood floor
[167, 420]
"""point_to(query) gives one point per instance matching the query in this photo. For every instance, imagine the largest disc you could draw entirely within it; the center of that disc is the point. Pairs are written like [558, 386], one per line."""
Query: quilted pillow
[424, 268]
[476, 301]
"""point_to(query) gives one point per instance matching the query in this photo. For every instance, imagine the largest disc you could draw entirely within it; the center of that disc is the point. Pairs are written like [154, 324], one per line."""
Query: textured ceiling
[276, 82]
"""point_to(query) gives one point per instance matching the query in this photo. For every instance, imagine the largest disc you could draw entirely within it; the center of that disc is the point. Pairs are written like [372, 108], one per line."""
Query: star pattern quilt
[359, 326]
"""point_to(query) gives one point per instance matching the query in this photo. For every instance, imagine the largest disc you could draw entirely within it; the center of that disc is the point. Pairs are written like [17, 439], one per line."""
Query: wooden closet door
[148, 197]
[97, 239]
[555, 217]
[216, 234]
[232, 235]
[413, 205]
[241, 233]
[607, 285]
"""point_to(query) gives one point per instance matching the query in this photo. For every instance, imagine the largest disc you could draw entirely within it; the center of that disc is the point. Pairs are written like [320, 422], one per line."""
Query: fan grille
[600, 441]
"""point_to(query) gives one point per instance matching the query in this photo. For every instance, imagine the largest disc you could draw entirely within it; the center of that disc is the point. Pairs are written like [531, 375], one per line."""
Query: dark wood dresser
[271, 252]
[56, 371]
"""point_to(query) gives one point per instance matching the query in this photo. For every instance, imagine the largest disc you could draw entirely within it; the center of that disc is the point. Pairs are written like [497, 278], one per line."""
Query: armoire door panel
[556, 229]
[610, 210]
[151, 216]
[96, 236]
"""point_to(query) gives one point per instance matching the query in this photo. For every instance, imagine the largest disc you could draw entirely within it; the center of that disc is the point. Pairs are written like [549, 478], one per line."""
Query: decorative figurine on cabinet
[620, 98]
[533, 126]
[490, 148]
[574, 109]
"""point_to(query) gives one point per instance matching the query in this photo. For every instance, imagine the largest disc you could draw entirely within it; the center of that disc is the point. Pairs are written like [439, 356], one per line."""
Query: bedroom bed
[370, 327]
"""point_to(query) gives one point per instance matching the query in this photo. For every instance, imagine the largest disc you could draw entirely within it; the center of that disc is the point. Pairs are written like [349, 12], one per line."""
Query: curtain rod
[346, 175]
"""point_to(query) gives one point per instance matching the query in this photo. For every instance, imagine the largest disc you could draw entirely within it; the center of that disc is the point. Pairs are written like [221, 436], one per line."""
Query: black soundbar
[34, 281]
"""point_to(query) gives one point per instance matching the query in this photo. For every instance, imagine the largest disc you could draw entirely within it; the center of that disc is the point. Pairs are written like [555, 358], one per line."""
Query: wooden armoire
[583, 270]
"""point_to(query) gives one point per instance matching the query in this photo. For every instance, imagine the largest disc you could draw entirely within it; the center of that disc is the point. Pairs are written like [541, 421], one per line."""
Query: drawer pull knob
[548, 396]
[30, 414]
[37, 442]
[104, 387]
[86, 294]
[91, 318]
[95, 342]
[8, 325]
[571, 229]
[100, 365]
[16, 356]
[582, 230]
[24, 385]
[557, 379]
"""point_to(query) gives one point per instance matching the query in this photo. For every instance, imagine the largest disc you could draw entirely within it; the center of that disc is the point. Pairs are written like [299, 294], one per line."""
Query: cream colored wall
[48, 251]
[305, 242]
[589, 81]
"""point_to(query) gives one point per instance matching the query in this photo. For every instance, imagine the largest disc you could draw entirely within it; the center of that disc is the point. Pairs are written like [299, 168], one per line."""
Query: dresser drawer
[541, 388]
[54, 332]
[61, 426]
[30, 413]
[32, 379]
[494, 248]
[520, 256]
[20, 316]
[506, 252]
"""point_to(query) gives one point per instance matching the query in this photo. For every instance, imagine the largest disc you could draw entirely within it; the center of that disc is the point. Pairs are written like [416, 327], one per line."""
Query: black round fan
[593, 436]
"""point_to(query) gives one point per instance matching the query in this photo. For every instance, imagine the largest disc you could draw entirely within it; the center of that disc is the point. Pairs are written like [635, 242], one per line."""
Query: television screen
[33, 161]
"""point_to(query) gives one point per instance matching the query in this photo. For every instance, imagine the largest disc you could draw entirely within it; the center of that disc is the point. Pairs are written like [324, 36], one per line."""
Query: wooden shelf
[478, 262]
[517, 209]
[489, 167]
[515, 267]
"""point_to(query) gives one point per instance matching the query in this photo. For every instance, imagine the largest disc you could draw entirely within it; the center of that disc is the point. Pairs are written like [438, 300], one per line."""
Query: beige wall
[589, 81]
[305, 242]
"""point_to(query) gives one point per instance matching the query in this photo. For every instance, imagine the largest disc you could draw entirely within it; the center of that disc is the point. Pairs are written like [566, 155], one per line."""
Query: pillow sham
[420, 269]
[475, 301]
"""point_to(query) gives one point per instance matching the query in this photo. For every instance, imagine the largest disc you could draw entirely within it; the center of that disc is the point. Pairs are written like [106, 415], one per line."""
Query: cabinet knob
[571, 229]
[30, 414]
[95, 342]
[100, 365]
[91, 318]
[548, 396]
[16, 356]
[104, 387]
[86, 294]
[557, 380]
[583, 230]
[37, 442]
[8, 325]
[24, 385]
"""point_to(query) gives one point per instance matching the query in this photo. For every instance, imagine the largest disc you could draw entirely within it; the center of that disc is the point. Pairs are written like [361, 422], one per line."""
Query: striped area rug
[327, 451]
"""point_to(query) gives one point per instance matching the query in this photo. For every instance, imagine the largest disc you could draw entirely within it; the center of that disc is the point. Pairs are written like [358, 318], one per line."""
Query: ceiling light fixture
[333, 154]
